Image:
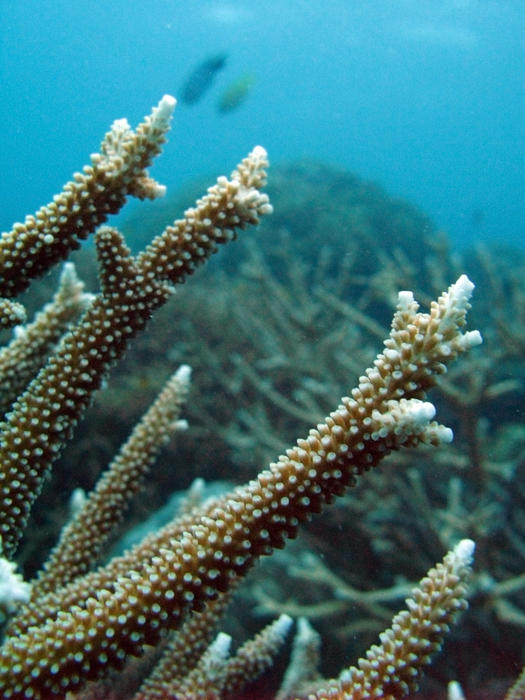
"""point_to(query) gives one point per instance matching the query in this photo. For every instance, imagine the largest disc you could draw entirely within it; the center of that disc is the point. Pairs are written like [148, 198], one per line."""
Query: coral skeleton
[82, 627]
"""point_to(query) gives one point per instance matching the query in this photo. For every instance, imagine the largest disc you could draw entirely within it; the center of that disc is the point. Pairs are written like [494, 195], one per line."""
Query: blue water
[424, 96]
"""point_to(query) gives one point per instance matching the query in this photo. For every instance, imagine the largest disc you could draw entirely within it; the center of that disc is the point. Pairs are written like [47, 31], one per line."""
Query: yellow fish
[235, 94]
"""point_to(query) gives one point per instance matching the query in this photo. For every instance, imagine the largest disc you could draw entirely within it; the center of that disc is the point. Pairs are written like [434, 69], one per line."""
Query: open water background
[424, 96]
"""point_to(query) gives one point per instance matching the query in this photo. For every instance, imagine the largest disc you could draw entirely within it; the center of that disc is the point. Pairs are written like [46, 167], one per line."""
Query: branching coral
[93, 623]
[304, 321]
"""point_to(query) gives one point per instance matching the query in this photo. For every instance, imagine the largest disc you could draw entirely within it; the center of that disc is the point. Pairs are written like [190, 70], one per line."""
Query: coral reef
[82, 627]
[290, 323]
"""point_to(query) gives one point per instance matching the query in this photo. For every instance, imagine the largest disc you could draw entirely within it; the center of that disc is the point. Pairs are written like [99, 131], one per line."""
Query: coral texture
[83, 624]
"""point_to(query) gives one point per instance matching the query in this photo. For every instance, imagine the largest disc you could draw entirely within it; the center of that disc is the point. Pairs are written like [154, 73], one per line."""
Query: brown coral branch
[32, 343]
[392, 668]
[32, 247]
[83, 538]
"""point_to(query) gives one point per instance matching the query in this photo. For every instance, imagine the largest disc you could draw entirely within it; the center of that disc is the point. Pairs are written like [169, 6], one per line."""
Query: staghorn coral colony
[310, 297]
[144, 624]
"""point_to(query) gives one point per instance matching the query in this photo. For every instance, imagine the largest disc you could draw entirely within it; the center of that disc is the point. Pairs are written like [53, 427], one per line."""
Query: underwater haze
[423, 96]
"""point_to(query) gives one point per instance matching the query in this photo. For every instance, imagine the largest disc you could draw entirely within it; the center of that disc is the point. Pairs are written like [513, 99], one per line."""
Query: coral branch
[32, 343]
[393, 668]
[31, 248]
[83, 538]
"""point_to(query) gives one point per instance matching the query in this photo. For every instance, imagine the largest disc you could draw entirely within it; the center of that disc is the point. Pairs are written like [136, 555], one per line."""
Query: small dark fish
[201, 78]
[235, 94]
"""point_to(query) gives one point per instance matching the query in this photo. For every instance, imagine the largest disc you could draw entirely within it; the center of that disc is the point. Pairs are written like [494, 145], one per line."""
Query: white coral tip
[423, 412]
[460, 292]
[463, 286]
[219, 649]
[444, 434]
[405, 299]
[183, 374]
[464, 552]
[161, 115]
[472, 338]
[259, 152]
[455, 692]
[282, 625]
[167, 104]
